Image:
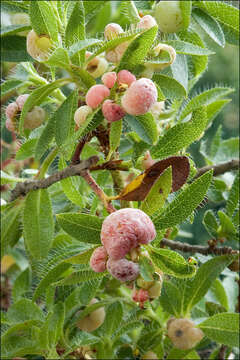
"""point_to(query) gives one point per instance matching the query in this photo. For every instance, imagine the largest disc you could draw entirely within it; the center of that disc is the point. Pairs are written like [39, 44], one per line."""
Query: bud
[140, 296]
[155, 290]
[154, 66]
[112, 31]
[183, 333]
[168, 16]
[146, 22]
[34, 118]
[92, 321]
[38, 46]
[81, 114]
[147, 161]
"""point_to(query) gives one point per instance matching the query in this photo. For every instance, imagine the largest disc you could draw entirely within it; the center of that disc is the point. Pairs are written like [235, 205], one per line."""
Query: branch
[219, 169]
[72, 170]
[205, 250]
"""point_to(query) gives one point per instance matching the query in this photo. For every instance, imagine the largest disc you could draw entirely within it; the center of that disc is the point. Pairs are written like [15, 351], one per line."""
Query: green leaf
[187, 48]
[46, 137]
[43, 19]
[205, 98]
[227, 150]
[11, 224]
[213, 308]
[170, 87]
[222, 328]
[13, 6]
[227, 228]
[51, 276]
[64, 125]
[219, 292]
[13, 49]
[83, 45]
[145, 126]
[9, 86]
[59, 58]
[146, 268]
[210, 223]
[38, 223]
[206, 274]
[158, 193]
[137, 50]
[215, 108]
[75, 30]
[115, 136]
[210, 26]
[26, 150]
[79, 276]
[124, 329]
[179, 70]
[83, 227]
[172, 263]
[22, 285]
[82, 339]
[171, 298]
[226, 14]
[129, 10]
[181, 135]
[233, 197]
[70, 186]
[24, 310]
[36, 98]
[184, 204]
[55, 324]
[199, 63]
[9, 179]
[92, 8]
[113, 318]
[186, 10]
[176, 354]
[92, 121]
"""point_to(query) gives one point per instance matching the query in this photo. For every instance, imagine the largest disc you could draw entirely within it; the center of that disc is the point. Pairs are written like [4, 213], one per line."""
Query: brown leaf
[138, 189]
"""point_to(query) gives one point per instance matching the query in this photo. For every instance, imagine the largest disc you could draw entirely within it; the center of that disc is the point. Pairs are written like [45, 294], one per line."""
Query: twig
[219, 169]
[26, 186]
[222, 352]
[98, 191]
[76, 156]
[205, 250]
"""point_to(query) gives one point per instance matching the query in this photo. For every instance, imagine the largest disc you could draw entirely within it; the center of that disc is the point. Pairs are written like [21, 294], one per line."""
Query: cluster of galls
[33, 119]
[183, 333]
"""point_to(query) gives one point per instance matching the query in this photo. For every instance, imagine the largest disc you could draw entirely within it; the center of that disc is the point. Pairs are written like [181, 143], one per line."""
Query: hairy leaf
[170, 87]
[145, 126]
[43, 19]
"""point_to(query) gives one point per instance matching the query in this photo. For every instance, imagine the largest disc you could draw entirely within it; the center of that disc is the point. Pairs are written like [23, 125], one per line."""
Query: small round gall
[140, 295]
[98, 259]
[116, 54]
[125, 229]
[147, 161]
[100, 69]
[92, 321]
[123, 269]
[155, 290]
[139, 98]
[150, 355]
[96, 94]
[109, 79]
[38, 46]
[168, 16]
[81, 114]
[112, 112]
[20, 100]
[112, 31]
[146, 22]
[9, 125]
[11, 111]
[34, 118]
[183, 333]
[125, 77]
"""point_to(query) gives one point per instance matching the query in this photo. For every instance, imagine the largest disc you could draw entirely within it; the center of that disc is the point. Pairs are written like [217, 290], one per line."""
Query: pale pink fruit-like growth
[38, 46]
[146, 22]
[20, 100]
[11, 111]
[109, 79]
[183, 333]
[116, 54]
[124, 230]
[112, 31]
[92, 321]
[112, 112]
[140, 295]
[147, 161]
[96, 94]
[125, 77]
[81, 114]
[9, 125]
[34, 118]
[139, 98]
[123, 269]
[98, 259]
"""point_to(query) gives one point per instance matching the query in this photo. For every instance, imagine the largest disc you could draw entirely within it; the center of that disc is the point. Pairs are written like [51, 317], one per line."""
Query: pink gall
[109, 79]
[111, 111]
[125, 77]
[96, 94]
[123, 269]
[98, 259]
